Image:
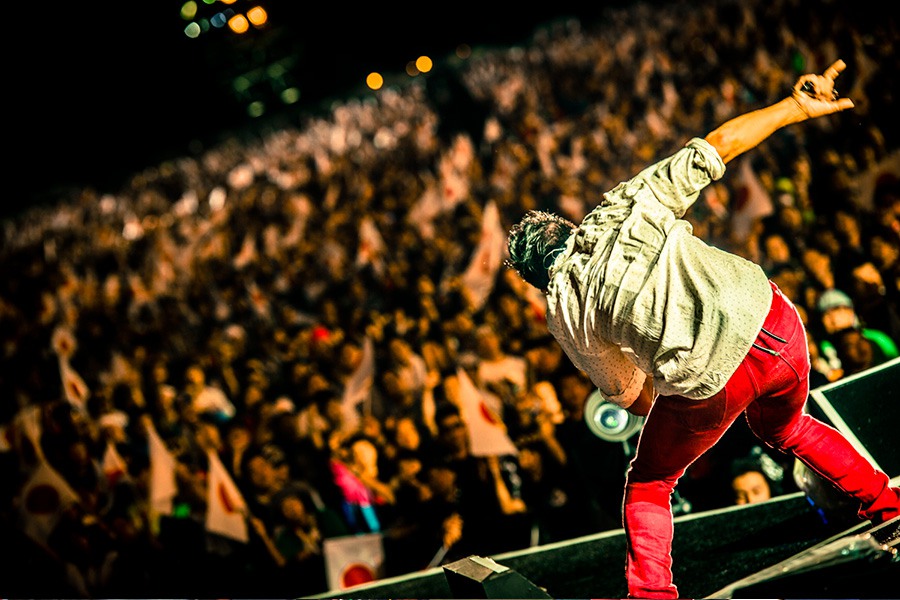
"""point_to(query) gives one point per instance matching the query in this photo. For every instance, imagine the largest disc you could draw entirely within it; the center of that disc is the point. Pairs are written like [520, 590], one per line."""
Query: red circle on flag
[488, 414]
[355, 574]
[226, 499]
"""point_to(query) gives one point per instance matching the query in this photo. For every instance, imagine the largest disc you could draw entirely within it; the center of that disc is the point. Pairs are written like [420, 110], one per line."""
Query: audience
[756, 477]
[299, 302]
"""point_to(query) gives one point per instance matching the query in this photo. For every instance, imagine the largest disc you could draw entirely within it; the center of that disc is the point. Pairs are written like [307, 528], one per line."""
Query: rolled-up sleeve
[676, 181]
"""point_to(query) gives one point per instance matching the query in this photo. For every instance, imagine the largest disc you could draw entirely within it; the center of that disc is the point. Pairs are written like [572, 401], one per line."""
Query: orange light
[257, 15]
[374, 81]
[424, 64]
[238, 24]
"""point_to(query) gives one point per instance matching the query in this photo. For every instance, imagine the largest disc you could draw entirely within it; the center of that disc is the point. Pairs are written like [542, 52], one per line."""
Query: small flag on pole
[74, 388]
[163, 484]
[353, 560]
[226, 511]
[487, 432]
[43, 500]
[480, 276]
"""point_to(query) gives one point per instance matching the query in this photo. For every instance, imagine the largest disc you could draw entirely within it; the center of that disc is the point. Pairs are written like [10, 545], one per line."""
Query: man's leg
[777, 418]
[677, 431]
[779, 422]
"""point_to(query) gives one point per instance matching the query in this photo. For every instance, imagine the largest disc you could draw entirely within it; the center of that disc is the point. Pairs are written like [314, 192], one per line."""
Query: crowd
[233, 303]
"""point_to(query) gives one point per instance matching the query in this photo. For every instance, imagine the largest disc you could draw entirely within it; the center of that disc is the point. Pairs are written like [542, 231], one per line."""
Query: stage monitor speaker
[480, 577]
[866, 408]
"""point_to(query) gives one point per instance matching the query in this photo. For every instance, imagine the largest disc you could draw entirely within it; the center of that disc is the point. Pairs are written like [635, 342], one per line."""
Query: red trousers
[771, 387]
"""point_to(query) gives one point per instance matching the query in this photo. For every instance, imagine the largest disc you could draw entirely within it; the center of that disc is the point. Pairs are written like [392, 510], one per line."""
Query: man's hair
[533, 244]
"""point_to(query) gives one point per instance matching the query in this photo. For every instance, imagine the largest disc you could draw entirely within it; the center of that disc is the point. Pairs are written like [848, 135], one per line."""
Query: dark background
[102, 90]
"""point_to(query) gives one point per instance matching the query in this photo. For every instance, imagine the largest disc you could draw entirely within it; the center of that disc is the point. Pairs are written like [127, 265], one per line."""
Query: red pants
[771, 386]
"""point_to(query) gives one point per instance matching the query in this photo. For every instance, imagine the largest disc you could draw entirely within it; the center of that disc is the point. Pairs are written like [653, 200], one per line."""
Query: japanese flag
[225, 509]
[422, 214]
[487, 432]
[353, 560]
[42, 501]
[371, 249]
[114, 466]
[74, 388]
[163, 484]
[359, 386]
[752, 201]
[479, 277]
[27, 424]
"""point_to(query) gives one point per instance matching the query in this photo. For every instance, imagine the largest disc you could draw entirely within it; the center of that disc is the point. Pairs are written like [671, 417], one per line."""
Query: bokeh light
[189, 10]
[424, 64]
[193, 30]
[238, 24]
[257, 16]
[374, 81]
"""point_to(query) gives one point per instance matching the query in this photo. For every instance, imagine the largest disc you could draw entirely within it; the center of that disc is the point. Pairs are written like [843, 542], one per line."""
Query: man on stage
[689, 335]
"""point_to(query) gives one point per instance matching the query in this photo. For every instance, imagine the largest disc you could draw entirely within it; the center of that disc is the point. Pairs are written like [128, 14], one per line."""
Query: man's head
[750, 487]
[836, 311]
[755, 478]
[534, 242]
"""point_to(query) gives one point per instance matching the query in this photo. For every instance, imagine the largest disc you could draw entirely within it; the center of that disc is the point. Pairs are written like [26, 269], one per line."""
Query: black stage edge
[710, 551]
[786, 547]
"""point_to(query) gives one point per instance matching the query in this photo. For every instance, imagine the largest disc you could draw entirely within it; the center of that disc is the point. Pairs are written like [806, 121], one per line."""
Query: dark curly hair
[533, 243]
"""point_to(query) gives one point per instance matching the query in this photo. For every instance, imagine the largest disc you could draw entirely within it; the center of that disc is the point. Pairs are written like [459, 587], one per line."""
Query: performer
[689, 335]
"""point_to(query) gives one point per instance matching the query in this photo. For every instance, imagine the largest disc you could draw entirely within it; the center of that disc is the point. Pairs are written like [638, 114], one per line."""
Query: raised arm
[812, 96]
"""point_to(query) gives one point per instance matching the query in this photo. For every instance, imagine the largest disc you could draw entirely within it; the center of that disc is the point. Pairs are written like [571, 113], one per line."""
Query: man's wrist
[796, 112]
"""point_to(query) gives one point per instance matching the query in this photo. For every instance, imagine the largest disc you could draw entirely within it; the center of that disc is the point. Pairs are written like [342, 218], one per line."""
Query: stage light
[609, 421]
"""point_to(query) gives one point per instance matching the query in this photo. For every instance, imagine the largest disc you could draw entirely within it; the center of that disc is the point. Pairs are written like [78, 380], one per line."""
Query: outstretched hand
[816, 94]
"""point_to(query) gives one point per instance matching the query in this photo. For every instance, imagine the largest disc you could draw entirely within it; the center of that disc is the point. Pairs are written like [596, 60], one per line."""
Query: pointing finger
[835, 69]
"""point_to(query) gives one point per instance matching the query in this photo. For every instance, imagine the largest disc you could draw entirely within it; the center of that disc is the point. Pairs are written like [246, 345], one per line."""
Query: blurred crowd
[308, 304]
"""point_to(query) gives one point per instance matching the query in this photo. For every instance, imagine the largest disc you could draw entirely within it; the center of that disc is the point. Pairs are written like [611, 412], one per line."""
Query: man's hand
[816, 95]
[813, 96]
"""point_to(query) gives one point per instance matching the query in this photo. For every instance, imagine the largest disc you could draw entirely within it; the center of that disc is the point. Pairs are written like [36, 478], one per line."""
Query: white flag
[74, 388]
[63, 341]
[353, 560]
[42, 501]
[372, 249]
[479, 277]
[487, 432]
[423, 213]
[114, 466]
[27, 423]
[163, 484]
[226, 511]
[359, 386]
[752, 202]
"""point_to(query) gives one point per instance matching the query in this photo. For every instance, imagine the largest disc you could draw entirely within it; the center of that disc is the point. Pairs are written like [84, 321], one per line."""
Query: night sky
[99, 94]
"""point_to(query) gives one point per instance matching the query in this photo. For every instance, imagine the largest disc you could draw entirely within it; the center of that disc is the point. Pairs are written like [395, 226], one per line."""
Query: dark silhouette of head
[534, 242]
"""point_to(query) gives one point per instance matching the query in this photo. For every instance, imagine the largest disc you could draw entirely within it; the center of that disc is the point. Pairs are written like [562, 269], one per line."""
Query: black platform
[783, 548]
